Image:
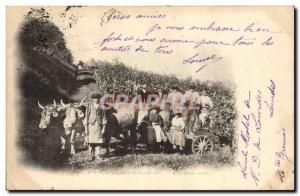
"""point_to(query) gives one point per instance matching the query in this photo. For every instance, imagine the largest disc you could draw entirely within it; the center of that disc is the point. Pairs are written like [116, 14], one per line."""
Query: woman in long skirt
[155, 134]
[177, 132]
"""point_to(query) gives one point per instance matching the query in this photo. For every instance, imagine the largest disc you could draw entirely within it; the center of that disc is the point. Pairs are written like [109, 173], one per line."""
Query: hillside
[46, 73]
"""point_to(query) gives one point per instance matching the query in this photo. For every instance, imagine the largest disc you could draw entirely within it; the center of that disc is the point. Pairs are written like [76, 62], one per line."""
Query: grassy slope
[151, 162]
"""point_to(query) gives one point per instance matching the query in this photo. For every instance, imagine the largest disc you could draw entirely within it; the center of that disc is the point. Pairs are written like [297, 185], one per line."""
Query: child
[177, 132]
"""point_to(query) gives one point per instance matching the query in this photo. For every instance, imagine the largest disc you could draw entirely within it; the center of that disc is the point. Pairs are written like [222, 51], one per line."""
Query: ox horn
[54, 102]
[82, 101]
[62, 103]
[42, 107]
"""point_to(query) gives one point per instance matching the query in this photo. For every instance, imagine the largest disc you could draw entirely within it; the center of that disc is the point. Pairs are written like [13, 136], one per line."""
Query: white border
[149, 2]
[5, 3]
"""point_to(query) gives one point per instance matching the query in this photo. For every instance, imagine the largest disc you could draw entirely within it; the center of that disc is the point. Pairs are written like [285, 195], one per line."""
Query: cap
[95, 96]
[177, 113]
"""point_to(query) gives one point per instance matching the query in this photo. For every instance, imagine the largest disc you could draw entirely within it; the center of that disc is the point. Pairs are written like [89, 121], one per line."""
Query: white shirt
[192, 96]
[96, 105]
[206, 101]
[175, 99]
[177, 123]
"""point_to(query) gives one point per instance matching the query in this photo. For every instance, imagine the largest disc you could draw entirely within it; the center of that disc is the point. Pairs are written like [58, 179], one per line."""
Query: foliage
[116, 77]
[44, 75]
[39, 32]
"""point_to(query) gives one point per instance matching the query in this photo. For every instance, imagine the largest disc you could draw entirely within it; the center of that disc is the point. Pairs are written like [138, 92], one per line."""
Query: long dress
[177, 132]
[154, 128]
[166, 116]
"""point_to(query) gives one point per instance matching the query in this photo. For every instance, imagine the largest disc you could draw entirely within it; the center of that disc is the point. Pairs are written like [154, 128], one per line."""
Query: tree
[39, 32]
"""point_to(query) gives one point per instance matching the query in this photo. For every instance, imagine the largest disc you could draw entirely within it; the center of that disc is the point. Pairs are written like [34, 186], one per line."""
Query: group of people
[161, 125]
[182, 116]
[159, 131]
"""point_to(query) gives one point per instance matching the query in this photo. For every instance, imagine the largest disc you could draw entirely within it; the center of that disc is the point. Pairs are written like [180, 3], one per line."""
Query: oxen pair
[72, 123]
[126, 121]
[122, 122]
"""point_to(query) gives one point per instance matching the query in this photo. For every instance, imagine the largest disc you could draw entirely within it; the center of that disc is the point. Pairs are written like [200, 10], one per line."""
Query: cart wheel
[202, 144]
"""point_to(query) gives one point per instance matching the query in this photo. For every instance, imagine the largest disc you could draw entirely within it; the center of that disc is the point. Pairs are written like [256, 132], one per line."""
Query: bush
[40, 33]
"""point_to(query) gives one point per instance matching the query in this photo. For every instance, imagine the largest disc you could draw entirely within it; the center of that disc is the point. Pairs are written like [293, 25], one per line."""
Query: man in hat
[192, 96]
[153, 96]
[205, 104]
[144, 92]
[162, 93]
[205, 100]
[175, 98]
[96, 122]
[191, 101]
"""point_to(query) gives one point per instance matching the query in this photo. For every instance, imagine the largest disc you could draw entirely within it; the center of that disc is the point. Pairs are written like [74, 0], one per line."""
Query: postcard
[150, 98]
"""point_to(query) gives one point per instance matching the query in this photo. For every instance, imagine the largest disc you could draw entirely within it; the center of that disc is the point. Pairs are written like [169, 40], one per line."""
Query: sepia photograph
[150, 98]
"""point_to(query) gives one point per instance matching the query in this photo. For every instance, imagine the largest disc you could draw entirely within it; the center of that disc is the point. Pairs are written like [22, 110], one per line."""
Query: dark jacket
[144, 95]
[154, 118]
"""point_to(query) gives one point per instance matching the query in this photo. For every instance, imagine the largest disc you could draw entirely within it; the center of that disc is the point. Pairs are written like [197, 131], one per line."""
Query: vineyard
[118, 78]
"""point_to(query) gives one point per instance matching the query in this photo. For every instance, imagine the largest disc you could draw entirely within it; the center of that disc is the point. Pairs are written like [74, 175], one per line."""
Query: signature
[270, 104]
[257, 117]
[256, 155]
[246, 124]
[203, 61]
[244, 164]
[281, 175]
[250, 163]
[245, 135]
[254, 176]
[281, 156]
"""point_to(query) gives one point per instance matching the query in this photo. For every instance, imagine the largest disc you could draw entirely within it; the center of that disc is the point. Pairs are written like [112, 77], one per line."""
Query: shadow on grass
[123, 160]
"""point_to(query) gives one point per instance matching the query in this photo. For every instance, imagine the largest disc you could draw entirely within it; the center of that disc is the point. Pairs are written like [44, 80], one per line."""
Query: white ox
[73, 123]
[48, 112]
